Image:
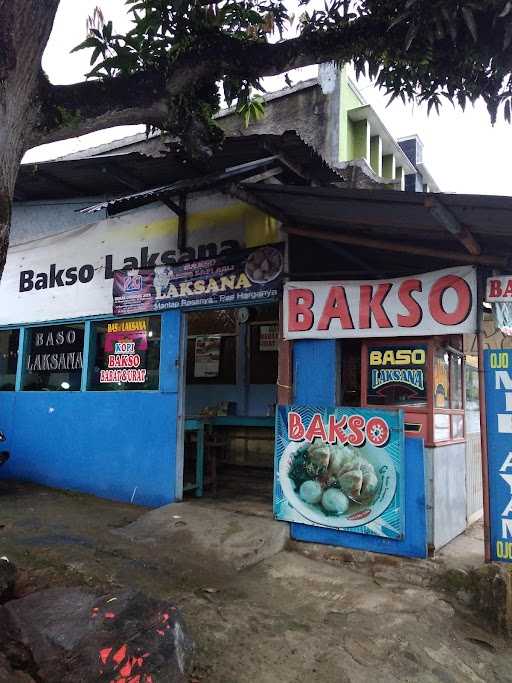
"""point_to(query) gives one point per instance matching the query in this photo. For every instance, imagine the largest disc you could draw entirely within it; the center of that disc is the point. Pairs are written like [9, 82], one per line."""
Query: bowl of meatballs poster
[340, 468]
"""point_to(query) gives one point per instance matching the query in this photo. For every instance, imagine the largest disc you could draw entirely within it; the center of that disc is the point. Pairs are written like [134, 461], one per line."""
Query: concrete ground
[465, 551]
[287, 618]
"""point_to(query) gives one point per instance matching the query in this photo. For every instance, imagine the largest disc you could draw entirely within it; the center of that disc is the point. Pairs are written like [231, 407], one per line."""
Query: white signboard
[443, 302]
[498, 289]
[70, 275]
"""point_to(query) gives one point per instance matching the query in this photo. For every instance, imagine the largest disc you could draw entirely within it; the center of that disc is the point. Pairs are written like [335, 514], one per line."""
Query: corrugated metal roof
[395, 217]
[116, 174]
[133, 201]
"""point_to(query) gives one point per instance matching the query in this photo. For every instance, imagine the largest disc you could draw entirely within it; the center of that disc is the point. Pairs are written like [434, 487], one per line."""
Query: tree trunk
[25, 26]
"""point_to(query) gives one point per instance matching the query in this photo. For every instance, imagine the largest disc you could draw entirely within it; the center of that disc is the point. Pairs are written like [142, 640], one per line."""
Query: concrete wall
[33, 220]
[304, 109]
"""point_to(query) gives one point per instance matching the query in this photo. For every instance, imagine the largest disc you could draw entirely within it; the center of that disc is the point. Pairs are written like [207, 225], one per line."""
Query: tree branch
[72, 110]
[68, 111]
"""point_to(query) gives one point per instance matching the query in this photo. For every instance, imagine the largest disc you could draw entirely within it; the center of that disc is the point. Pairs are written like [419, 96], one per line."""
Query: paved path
[289, 618]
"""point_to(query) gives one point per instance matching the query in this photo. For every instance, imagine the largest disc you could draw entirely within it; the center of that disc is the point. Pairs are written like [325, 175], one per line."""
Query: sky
[463, 152]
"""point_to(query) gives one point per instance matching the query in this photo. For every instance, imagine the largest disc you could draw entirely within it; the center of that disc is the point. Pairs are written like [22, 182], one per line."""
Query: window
[448, 394]
[351, 372]
[9, 341]
[397, 375]
[126, 354]
[211, 359]
[54, 358]
[472, 395]
[263, 345]
[212, 346]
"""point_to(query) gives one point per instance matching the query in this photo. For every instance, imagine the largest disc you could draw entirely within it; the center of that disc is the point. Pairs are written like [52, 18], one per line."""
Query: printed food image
[264, 265]
[332, 477]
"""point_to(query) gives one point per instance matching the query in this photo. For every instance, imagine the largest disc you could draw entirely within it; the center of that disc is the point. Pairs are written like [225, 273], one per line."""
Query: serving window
[397, 375]
[424, 377]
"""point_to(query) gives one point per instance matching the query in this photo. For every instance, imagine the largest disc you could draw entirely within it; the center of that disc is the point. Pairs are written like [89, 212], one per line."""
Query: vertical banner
[340, 468]
[498, 398]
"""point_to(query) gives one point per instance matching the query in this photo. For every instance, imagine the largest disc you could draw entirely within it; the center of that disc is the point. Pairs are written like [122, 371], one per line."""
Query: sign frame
[297, 427]
[498, 409]
[441, 302]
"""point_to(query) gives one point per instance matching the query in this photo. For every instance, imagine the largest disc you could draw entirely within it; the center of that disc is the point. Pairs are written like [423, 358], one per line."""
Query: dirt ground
[287, 619]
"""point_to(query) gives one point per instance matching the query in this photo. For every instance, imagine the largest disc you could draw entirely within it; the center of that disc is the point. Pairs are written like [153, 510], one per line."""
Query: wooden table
[200, 424]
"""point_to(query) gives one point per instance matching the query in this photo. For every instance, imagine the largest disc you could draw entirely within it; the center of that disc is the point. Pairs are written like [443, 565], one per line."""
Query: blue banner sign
[498, 397]
[340, 468]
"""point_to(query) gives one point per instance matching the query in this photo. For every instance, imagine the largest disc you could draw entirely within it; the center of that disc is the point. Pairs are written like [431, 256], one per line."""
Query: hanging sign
[499, 293]
[397, 374]
[498, 399]
[240, 277]
[207, 356]
[126, 344]
[499, 288]
[340, 468]
[442, 302]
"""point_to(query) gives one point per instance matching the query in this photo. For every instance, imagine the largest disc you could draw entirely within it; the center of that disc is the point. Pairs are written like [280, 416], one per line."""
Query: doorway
[230, 396]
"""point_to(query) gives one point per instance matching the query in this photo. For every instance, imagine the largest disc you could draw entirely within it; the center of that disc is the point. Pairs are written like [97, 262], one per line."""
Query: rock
[16, 661]
[10, 675]
[7, 578]
[75, 635]
[233, 541]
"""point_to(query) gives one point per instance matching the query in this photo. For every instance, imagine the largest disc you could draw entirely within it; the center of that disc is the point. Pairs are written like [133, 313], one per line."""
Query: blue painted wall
[315, 372]
[117, 445]
[316, 366]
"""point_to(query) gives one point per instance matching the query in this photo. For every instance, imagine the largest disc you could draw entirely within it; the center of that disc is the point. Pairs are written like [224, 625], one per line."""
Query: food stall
[371, 452]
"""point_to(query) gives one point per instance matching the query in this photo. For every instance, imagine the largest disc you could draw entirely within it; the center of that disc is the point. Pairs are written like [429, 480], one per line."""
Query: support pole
[285, 373]
[483, 415]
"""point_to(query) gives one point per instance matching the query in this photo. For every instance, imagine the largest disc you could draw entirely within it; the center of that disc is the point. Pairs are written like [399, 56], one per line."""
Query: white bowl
[357, 514]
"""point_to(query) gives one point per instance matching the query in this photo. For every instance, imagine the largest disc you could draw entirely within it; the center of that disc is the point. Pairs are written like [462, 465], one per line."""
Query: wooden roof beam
[383, 245]
[452, 225]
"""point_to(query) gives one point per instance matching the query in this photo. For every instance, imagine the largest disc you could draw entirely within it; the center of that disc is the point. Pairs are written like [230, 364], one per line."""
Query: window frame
[428, 410]
[90, 339]
[87, 349]
[17, 329]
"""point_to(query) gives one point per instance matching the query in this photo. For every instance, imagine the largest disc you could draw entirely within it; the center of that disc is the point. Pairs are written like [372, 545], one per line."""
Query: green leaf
[87, 43]
[505, 10]
[96, 53]
[398, 20]
[470, 22]
[507, 111]
[507, 38]
[411, 35]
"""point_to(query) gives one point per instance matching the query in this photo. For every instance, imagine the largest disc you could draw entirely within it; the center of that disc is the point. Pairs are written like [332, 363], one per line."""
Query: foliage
[423, 50]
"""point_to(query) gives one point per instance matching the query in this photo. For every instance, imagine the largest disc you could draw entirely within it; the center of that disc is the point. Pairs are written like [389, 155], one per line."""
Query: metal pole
[483, 416]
